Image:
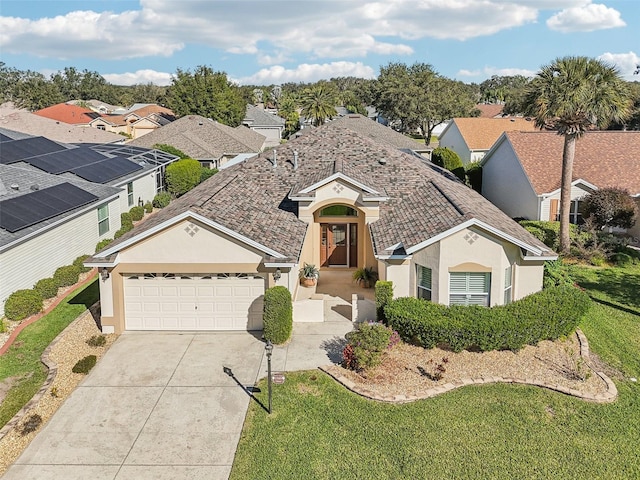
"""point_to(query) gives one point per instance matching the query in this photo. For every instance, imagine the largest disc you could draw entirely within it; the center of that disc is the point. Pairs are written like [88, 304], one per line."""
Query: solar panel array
[17, 150]
[107, 170]
[26, 210]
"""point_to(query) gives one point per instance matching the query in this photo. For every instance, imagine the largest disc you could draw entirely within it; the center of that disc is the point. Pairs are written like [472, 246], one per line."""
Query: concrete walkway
[167, 405]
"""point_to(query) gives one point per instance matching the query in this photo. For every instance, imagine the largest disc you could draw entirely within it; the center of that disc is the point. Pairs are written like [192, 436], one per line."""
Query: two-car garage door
[222, 301]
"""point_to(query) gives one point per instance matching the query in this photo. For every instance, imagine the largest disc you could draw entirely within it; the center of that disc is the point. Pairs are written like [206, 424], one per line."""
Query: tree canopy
[610, 207]
[318, 103]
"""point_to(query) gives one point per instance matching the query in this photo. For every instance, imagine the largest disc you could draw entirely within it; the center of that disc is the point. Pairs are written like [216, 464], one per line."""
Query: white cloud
[139, 76]
[585, 18]
[626, 63]
[306, 72]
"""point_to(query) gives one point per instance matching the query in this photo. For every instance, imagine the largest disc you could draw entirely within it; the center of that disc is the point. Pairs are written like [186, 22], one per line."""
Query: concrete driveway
[159, 405]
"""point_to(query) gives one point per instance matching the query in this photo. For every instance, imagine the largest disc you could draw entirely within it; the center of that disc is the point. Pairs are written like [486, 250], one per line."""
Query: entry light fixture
[104, 273]
[277, 274]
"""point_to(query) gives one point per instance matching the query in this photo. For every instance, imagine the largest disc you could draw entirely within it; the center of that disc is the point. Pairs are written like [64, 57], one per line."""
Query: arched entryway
[339, 236]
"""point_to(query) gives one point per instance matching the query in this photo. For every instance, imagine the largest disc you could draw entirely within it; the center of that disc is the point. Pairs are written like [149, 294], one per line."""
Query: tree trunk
[568, 155]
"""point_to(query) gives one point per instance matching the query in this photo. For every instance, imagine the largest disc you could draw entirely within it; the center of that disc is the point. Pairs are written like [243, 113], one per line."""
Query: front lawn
[321, 430]
[21, 363]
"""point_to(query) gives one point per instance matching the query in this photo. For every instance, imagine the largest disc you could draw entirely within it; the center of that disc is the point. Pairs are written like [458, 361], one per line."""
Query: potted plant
[309, 274]
[366, 276]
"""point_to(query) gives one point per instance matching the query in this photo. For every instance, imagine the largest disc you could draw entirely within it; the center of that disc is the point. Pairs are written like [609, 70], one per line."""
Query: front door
[335, 244]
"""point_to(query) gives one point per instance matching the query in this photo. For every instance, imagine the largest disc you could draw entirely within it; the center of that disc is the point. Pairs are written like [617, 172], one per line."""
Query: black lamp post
[268, 348]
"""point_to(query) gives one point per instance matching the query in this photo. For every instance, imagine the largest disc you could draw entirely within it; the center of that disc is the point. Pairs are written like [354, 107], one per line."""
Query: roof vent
[35, 187]
[295, 159]
[382, 161]
[275, 158]
[15, 186]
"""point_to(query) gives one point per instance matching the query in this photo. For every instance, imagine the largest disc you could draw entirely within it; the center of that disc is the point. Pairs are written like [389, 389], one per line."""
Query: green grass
[22, 360]
[318, 429]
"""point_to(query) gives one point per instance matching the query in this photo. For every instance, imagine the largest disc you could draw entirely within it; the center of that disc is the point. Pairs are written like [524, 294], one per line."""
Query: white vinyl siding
[103, 219]
[143, 188]
[508, 280]
[424, 282]
[469, 288]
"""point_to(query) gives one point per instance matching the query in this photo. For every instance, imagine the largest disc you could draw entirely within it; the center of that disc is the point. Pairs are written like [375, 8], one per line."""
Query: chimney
[295, 159]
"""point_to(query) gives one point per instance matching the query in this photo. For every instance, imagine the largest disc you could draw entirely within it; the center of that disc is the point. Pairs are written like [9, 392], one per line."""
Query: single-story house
[211, 143]
[57, 201]
[264, 123]
[68, 113]
[135, 123]
[522, 172]
[333, 198]
[471, 138]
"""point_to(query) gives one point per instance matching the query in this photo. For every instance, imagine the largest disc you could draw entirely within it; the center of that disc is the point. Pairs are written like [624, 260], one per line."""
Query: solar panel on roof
[107, 170]
[67, 160]
[4, 138]
[16, 150]
[26, 210]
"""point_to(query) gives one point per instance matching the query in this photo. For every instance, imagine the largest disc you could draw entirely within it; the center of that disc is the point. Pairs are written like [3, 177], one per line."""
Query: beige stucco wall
[174, 250]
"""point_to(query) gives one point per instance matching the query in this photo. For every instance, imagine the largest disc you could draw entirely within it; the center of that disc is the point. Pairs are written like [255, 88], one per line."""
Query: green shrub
[162, 199]
[445, 158]
[369, 341]
[97, 341]
[84, 365]
[121, 232]
[473, 172]
[79, 262]
[622, 259]
[278, 314]
[47, 287]
[136, 213]
[170, 150]
[148, 207]
[549, 232]
[206, 173]
[384, 294]
[22, 304]
[546, 315]
[103, 243]
[126, 220]
[556, 273]
[67, 275]
[182, 176]
[31, 424]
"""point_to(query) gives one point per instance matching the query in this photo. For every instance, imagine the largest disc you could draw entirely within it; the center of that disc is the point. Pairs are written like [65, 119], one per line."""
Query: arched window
[338, 211]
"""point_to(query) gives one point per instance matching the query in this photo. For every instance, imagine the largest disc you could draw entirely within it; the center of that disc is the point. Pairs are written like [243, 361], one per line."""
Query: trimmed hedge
[47, 287]
[126, 220]
[549, 232]
[103, 243]
[136, 213]
[148, 207]
[67, 275]
[278, 314]
[445, 158]
[84, 365]
[546, 315]
[162, 199]
[22, 304]
[384, 294]
[79, 262]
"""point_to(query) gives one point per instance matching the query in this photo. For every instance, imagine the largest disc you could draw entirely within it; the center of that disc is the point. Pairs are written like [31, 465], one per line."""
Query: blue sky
[278, 41]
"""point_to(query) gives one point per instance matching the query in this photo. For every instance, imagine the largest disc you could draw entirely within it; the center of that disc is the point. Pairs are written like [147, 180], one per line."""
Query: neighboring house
[471, 138]
[490, 110]
[135, 123]
[67, 113]
[267, 124]
[47, 221]
[31, 124]
[334, 198]
[43, 228]
[211, 143]
[97, 106]
[522, 172]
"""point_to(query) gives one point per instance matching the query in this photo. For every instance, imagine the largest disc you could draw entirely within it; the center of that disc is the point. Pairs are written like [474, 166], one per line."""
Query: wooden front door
[336, 244]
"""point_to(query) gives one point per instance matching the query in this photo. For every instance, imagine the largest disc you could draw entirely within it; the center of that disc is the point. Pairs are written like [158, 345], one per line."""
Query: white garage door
[222, 301]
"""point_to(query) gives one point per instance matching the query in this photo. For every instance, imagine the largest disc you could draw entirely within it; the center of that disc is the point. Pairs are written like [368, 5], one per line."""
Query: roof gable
[482, 133]
[66, 113]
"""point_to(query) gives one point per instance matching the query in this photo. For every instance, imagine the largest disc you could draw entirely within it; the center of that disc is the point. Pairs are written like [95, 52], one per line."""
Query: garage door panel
[188, 302]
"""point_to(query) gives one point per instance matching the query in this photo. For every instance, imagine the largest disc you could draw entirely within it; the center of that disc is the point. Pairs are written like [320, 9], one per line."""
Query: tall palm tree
[572, 95]
[318, 104]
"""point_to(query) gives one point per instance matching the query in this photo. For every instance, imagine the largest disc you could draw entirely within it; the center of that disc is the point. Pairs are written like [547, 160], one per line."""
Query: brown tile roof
[150, 109]
[489, 110]
[482, 133]
[603, 158]
[202, 138]
[377, 131]
[72, 114]
[252, 198]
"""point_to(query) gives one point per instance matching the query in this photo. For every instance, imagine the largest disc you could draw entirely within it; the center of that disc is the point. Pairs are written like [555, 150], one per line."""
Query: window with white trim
[469, 288]
[423, 282]
[508, 282]
[130, 193]
[103, 219]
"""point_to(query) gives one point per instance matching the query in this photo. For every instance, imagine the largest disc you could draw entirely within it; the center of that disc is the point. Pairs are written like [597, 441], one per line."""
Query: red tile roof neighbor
[482, 133]
[603, 158]
[71, 114]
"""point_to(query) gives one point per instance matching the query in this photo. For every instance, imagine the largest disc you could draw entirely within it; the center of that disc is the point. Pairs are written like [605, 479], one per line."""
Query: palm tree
[572, 95]
[318, 104]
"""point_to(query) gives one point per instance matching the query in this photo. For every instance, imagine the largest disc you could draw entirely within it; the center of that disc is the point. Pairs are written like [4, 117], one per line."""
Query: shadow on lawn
[619, 288]
[88, 296]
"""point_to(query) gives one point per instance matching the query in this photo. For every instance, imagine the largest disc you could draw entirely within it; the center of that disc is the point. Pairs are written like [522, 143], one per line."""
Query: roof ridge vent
[15, 186]
[35, 187]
